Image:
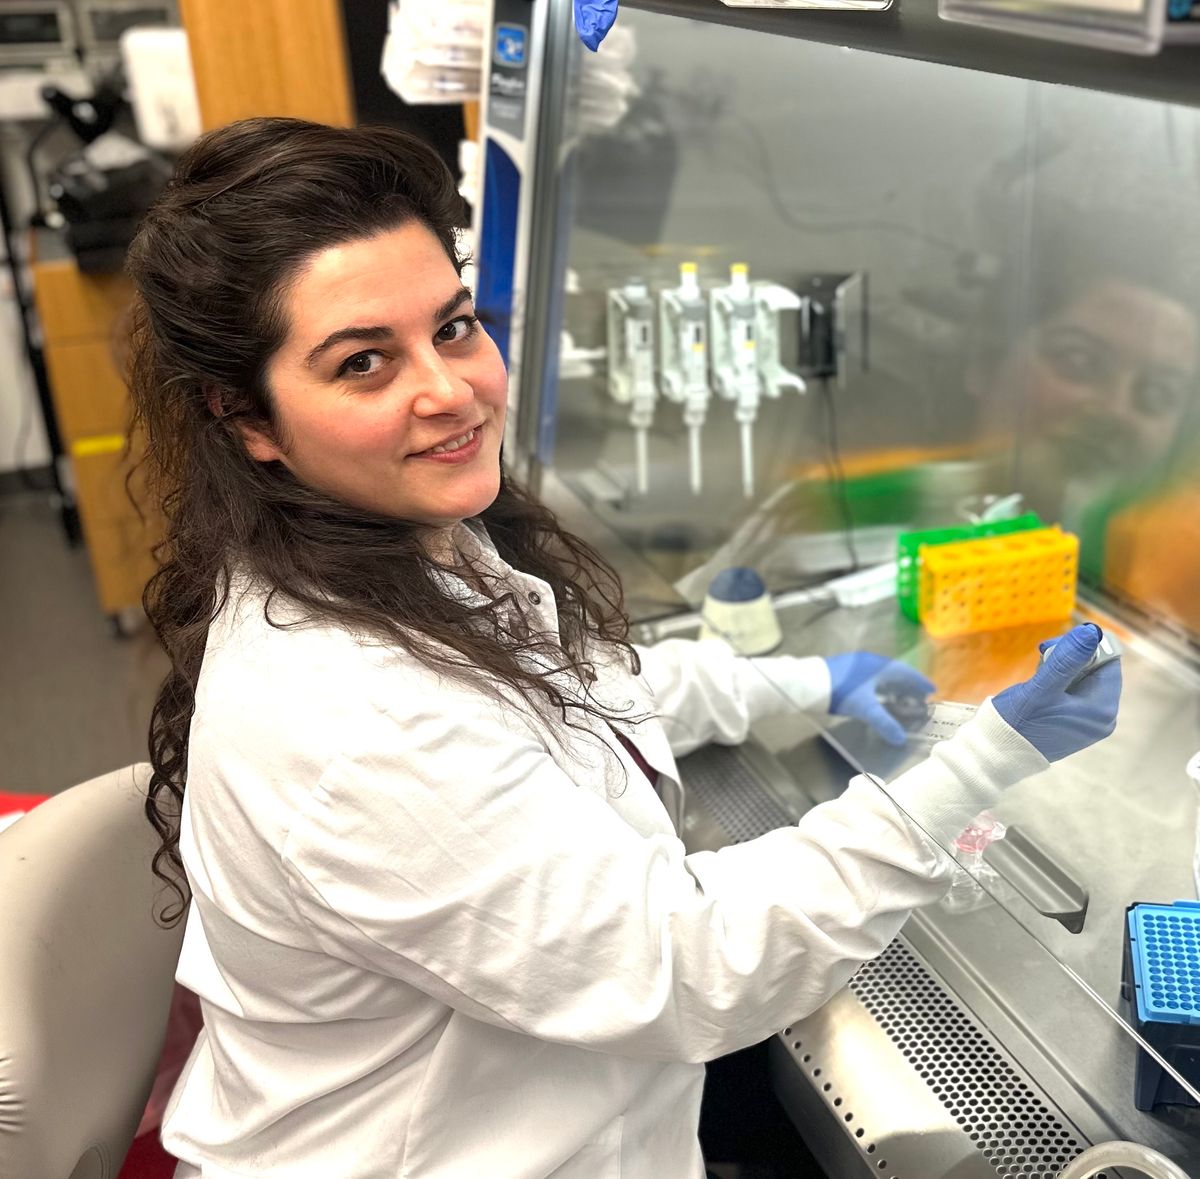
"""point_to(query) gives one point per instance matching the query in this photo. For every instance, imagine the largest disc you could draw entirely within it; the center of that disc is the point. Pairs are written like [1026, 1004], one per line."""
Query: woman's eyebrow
[461, 296]
[374, 334]
[377, 333]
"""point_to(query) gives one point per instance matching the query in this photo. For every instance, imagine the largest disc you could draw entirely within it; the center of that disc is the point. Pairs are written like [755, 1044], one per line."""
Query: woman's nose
[439, 389]
[1122, 397]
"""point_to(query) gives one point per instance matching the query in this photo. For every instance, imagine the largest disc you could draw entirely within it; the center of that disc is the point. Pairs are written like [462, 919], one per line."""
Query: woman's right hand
[1054, 714]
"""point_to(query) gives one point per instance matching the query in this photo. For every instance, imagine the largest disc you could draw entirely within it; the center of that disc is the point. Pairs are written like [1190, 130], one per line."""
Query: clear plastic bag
[968, 890]
[433, 51]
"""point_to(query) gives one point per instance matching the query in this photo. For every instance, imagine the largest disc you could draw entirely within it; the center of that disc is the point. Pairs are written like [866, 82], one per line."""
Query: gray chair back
[85, 979]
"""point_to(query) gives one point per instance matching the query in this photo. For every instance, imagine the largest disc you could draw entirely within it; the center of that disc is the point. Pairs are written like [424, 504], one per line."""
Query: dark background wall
[441, 126]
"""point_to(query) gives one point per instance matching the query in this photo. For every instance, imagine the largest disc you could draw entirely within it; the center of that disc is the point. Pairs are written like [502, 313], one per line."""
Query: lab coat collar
[614, 690]
[531, 595]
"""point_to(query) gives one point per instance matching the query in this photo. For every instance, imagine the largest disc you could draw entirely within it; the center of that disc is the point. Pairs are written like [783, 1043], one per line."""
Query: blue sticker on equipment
[510, 44]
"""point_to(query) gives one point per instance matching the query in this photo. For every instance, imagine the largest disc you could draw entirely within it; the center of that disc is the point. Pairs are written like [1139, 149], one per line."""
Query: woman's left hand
[859, 679]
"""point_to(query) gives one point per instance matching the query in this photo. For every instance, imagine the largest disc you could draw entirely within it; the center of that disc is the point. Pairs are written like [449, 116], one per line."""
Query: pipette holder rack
[1160, 997]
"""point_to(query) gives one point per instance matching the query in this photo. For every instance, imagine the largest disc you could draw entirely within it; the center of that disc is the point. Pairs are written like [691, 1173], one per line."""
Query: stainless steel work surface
[1119, 819]
[893, 1075]
[1117, 822]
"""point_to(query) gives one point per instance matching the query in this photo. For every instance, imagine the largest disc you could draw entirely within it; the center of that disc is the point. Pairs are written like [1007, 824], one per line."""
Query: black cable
[39, 207]
[816, 616]
[770, 185]
[833, 462]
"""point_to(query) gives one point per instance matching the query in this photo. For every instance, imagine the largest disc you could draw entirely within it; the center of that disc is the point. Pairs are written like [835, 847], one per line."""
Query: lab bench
[981, 1043]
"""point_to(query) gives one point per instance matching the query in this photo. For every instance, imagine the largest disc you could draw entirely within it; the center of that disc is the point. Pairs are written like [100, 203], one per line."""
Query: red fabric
[642, 763]
[147, 1160]
[184, 1022]
[19, 802]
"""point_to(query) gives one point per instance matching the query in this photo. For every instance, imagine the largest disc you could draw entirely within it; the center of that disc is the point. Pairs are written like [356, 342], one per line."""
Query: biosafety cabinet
[789, 284]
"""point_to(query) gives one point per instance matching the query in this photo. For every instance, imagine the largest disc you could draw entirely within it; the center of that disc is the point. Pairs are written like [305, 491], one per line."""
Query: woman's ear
[259, 445]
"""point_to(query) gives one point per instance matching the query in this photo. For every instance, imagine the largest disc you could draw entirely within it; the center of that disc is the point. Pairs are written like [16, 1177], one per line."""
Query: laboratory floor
[74, 700]
[743, 1130]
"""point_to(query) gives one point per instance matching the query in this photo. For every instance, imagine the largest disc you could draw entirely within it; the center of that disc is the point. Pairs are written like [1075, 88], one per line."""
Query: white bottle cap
[738, 609]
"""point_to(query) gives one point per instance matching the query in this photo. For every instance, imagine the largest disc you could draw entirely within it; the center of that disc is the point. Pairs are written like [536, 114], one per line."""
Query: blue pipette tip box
[1160, 989]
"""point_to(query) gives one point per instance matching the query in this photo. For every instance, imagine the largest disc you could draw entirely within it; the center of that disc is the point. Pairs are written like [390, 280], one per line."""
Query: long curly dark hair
[248, 205]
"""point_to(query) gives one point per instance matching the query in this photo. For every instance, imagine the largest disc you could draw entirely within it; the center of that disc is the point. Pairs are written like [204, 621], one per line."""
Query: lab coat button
[535, 598]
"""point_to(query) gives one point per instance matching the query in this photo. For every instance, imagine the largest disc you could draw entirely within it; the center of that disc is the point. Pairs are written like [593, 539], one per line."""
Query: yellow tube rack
[979, 585]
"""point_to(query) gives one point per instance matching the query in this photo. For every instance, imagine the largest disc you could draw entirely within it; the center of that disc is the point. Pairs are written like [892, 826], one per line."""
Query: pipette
[1107, 651]
[631, 365]
[733, 330]
[683, 336]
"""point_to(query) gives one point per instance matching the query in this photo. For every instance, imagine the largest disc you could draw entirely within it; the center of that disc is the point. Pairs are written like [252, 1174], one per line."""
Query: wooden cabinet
[90, 397]
[79, 314]
[72, 305]
[268, 57]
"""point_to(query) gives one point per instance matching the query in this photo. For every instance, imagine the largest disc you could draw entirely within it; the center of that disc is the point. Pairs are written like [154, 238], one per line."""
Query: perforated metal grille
[722, 783]
[1010, 1125]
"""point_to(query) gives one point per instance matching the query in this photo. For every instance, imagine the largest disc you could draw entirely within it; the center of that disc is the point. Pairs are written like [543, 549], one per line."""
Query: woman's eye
[361, 364]
[1157, 397]
[1075, 364]
[460, 328]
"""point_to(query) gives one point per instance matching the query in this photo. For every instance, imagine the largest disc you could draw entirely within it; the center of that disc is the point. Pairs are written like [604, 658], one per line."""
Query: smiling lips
[454, 449]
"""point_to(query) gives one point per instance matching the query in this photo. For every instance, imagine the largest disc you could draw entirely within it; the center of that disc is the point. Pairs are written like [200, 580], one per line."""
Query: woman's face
[1104, 383]
[387, 393]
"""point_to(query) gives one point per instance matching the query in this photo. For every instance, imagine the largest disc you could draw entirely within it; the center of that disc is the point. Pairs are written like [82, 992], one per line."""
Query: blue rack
[1160, 992]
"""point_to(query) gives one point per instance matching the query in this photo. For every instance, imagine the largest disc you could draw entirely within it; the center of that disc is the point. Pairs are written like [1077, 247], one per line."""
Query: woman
[1085, 376]
[440, 924]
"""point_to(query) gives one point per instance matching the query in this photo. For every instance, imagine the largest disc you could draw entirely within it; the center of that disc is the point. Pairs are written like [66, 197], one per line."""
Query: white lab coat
[434, 939]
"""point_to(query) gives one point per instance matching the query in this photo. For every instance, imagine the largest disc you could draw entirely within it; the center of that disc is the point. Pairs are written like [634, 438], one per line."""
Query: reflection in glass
[1031, 312]
[1092, 387]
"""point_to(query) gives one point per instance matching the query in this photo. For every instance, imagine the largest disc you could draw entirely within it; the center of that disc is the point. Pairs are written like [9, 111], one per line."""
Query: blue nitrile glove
[858, 678]
[1054, 717]
[593, 19]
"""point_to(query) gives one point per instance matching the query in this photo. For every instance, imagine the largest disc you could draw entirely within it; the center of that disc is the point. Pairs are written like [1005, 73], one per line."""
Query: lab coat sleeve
[448, 850]
[704, 691]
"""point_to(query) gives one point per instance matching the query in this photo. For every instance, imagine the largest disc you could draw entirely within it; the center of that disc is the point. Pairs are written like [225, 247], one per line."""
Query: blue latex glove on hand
[857, 680]
[593, 19]
[1055, 718]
